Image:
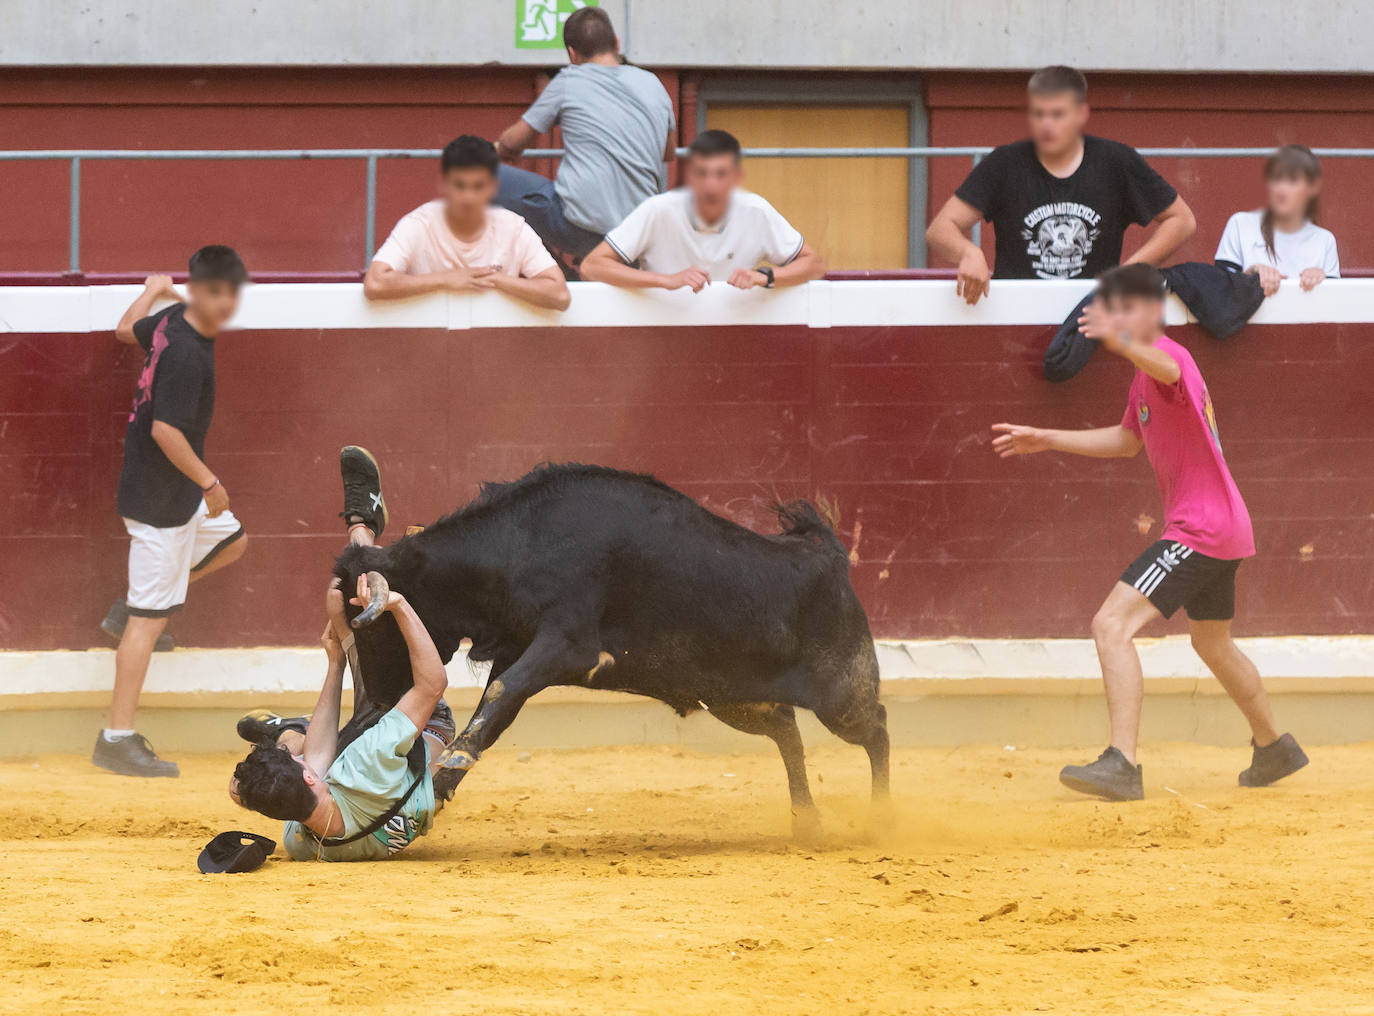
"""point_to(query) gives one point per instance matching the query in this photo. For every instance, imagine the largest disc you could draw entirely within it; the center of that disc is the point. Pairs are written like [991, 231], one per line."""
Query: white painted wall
[283, 671]
[924, 303]
[1167, 35]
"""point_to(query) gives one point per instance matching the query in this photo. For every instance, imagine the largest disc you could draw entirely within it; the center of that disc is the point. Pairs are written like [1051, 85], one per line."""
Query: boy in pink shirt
[460, 241]
[1206, 534]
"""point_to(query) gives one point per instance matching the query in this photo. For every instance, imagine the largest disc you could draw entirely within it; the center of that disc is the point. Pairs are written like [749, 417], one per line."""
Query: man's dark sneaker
[1111, 776]
[362, 484]
[117, 619]
[1273, 762]
[131, 756]
[263, 725]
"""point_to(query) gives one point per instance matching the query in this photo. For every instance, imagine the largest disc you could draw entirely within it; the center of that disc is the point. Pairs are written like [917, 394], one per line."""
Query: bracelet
[211, 486]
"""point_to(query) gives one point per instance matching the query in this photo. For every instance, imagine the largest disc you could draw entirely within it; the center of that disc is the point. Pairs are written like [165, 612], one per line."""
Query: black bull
[586, 576]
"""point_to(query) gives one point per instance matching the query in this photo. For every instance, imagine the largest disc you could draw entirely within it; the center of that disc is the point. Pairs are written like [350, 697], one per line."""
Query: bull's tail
[801, 518]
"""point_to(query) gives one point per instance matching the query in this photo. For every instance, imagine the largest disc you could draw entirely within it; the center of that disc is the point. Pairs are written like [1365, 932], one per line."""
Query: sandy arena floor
[651, 880]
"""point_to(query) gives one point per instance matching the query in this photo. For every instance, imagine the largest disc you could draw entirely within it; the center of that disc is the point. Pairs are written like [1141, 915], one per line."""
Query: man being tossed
[374, 796]
[1207, 534]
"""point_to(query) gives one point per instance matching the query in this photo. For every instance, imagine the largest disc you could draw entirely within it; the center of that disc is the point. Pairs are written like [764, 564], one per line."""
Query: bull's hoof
[454, 764]
[806, 825]
[446, 782]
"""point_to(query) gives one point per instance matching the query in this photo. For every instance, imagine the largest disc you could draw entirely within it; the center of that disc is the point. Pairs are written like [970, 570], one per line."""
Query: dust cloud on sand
[650, 880]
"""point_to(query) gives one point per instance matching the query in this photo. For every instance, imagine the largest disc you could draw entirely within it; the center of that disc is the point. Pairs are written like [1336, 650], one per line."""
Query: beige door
[853, 211]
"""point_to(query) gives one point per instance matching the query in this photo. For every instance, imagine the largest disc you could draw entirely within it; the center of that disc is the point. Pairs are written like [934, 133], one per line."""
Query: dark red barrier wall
[306, 217]
[282, 216]
[890, 426]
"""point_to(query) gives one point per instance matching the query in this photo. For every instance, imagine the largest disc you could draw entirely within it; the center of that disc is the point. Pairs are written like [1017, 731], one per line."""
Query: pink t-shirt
[422, 243]
[1202, 507]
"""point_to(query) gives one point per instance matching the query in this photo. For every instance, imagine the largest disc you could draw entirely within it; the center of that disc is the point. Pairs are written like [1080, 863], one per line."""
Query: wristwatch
[767, 273]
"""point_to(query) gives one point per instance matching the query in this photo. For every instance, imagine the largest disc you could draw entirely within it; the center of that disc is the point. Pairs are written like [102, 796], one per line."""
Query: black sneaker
[1273, 762]
[131, 756]
[263, 725]
[362, 484]
[117, 619]
[1111, 776]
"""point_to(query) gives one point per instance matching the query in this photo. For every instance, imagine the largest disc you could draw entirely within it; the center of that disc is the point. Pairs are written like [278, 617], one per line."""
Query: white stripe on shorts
[1145, 576]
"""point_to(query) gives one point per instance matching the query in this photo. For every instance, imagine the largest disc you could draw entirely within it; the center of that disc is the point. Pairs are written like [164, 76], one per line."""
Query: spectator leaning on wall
[618, 129]
[174, 507]
[711, 229]
[1060, 201]
[1283, 239]
[459, 241]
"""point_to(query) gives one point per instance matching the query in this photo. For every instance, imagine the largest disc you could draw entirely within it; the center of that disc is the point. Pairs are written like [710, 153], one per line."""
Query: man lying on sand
[372, 796]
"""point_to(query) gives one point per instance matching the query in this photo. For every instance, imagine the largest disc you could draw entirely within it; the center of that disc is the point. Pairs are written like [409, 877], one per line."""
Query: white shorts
[161, 560]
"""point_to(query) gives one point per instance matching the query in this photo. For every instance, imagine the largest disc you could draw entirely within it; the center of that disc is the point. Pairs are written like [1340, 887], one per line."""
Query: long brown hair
[1288, 162]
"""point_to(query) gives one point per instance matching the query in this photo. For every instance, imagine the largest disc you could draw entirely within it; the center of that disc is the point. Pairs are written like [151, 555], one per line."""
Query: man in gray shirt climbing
[618, 133]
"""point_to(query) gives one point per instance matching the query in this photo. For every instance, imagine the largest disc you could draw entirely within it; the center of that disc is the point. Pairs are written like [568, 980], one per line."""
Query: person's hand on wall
[747, 278]
[1311, 278]
[974, 276]
[1269, 277]
[477, 277]
[695, 278]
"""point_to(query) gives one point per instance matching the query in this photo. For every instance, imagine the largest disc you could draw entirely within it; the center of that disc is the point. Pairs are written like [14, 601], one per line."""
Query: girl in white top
[1283, 240]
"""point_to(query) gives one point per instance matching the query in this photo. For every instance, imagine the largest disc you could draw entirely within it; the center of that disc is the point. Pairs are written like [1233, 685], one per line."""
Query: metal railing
[371, 156]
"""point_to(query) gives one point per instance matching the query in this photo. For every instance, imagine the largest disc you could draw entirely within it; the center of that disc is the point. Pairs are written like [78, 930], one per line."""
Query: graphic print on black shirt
[1059, 239]
[1052, 228]
[177, 387]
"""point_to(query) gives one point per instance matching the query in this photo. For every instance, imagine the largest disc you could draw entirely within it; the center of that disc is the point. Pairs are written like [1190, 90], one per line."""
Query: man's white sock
[115, 735]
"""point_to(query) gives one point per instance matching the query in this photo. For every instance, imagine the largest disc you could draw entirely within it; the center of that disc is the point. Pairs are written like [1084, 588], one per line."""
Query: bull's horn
[380, 591]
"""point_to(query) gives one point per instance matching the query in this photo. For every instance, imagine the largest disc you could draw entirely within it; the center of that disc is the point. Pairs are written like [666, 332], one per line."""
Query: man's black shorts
[1171, 575]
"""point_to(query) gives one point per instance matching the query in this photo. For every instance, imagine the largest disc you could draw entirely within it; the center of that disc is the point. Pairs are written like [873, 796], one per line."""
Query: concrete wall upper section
[1177, 35]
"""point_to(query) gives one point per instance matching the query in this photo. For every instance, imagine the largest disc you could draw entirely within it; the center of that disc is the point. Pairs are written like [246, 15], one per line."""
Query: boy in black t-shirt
[1059, 202]
[173, 505]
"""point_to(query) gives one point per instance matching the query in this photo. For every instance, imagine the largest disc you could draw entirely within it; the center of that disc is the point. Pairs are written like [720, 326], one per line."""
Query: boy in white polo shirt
[711, 230]
[459, 241]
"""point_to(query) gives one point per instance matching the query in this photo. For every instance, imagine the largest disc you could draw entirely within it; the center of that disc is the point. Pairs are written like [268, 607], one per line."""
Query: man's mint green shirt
[367, 778]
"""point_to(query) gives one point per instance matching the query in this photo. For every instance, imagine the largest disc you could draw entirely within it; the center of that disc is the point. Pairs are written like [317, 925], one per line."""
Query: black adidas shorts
[1171, 575]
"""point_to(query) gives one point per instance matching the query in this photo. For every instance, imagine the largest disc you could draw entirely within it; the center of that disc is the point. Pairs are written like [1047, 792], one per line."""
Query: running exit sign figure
[539, 23]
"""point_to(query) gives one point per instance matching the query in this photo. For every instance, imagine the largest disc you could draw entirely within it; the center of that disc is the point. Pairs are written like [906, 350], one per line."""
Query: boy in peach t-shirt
[459, 241]
[1206, 535]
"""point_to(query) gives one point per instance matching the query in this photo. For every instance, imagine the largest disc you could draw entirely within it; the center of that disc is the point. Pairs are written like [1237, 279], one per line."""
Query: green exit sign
[539, 23]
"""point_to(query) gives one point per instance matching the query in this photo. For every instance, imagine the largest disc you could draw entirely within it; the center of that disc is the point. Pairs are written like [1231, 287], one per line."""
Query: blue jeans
[532, 196]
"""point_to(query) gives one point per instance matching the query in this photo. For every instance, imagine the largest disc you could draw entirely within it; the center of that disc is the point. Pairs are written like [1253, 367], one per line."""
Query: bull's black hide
[582, 575]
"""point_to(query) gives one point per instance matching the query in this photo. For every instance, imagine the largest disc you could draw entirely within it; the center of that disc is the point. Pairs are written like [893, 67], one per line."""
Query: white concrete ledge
[917, 303]
[269, 672]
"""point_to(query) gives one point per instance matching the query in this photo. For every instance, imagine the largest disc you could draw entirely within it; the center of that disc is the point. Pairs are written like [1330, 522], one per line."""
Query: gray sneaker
[1273, 762]
[1111, 776]
[131, 756]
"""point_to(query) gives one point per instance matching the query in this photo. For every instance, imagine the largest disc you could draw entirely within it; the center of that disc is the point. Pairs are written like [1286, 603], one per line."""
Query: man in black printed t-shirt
[174, 507]
[1060, 201]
